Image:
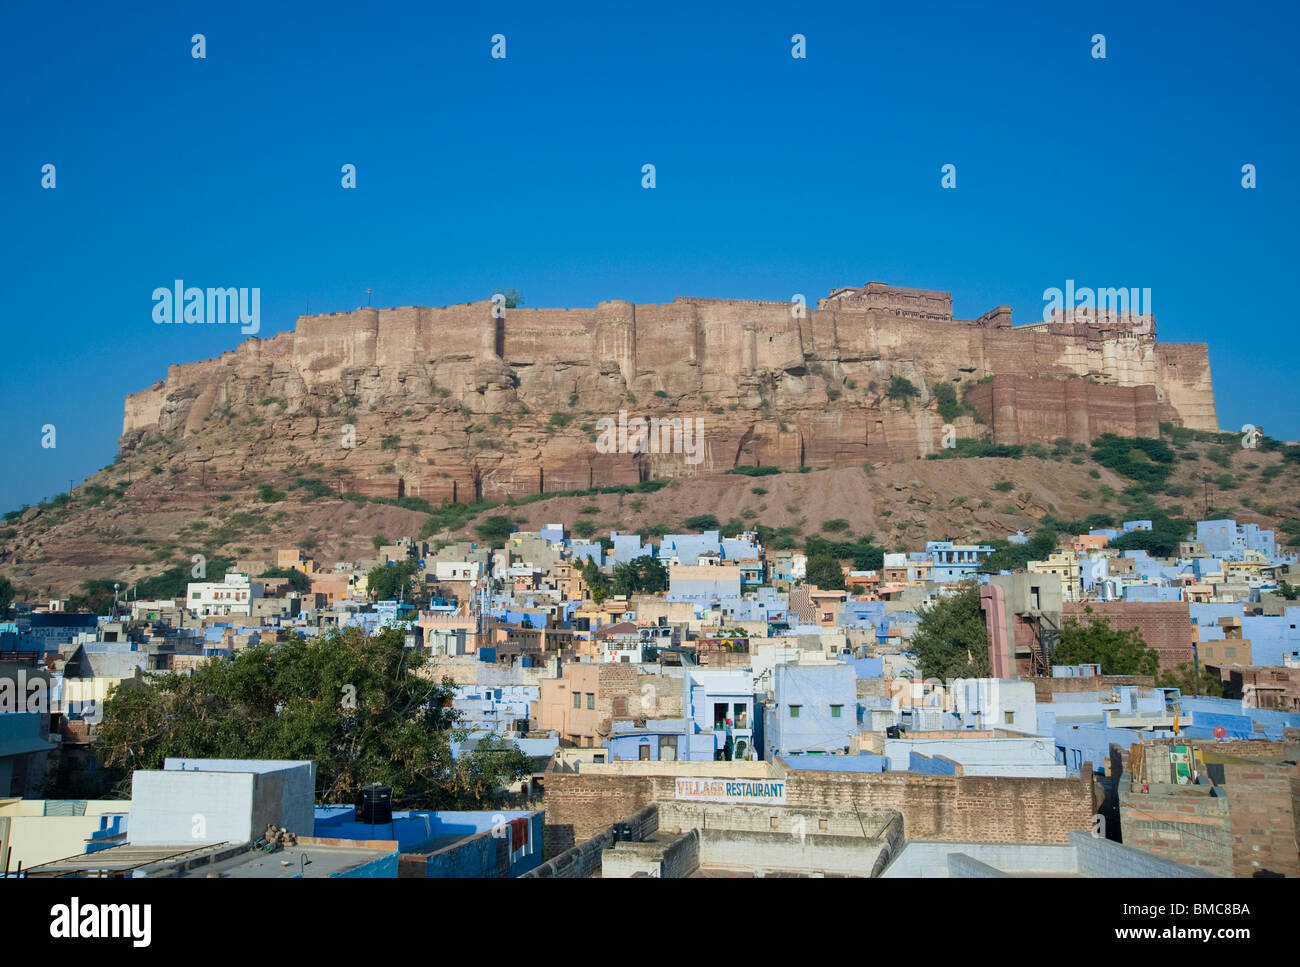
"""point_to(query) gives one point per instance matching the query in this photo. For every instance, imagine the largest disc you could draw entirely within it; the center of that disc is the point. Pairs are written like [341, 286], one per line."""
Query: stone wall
[977, 809]
[773, 387]
[1166, 626]
[1024, 410]
[1045, 688]
[1181, 823]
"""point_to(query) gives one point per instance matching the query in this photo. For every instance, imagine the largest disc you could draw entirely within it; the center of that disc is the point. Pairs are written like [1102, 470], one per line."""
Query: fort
[503, 402]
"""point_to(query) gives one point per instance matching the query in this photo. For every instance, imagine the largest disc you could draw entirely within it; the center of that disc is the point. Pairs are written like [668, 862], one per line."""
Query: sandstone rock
[420, 388]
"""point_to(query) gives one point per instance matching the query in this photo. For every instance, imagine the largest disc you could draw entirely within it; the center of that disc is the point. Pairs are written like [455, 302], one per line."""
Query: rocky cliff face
[471, 401]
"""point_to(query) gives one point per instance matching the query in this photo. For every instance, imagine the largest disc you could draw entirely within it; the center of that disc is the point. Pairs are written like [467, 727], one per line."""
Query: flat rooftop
[222, 860]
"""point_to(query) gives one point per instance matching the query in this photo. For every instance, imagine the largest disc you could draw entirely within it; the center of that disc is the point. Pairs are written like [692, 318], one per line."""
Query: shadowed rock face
[456, 403]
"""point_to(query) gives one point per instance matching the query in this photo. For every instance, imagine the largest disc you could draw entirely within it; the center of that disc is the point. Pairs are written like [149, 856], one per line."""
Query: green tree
[95, 597]
[900, 388]
[946, 399]
[952, 639]
[364, 709]
[298, 581]
[1117, 652]
[1183, 678]
[6, 595]
[645, 574]
[495, 529]
[825, 572]
[1014, 557]
[597, 583]
[395, 580]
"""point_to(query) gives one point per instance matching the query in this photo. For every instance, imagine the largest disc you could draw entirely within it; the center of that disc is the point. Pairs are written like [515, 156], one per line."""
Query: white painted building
[457, 570]
[234, 595]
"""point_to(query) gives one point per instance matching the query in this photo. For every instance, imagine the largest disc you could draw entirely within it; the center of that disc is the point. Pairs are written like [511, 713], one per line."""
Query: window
[591, 700]
[577, 699]
[836, 711]
[1008, 718]
[794, 711]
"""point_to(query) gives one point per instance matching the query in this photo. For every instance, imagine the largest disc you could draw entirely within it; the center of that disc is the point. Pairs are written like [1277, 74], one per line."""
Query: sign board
[751, 792]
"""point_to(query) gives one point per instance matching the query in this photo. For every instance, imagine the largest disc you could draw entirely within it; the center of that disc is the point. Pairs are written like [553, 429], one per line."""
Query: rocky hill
[369, 423]
[477, 402]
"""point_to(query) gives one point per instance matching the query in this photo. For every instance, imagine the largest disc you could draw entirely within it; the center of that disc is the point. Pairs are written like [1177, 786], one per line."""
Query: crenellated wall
[777, 384]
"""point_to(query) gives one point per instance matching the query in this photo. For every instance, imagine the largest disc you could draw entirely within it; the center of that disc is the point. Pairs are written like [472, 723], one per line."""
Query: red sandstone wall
[1166, 626]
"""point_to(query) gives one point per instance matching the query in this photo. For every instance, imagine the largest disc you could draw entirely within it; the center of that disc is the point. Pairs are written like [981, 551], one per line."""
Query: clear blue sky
[775, 175]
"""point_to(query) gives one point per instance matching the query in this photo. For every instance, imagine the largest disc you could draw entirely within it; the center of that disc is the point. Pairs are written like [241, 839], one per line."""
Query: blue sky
[774, 175]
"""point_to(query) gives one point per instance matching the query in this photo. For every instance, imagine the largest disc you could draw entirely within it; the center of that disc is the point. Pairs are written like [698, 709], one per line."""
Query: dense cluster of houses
[734, 658]
[738, 657]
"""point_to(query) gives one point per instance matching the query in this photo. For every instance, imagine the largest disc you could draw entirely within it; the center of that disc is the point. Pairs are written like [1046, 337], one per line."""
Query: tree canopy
[824, 571]
[1118, 652]
[952, 639]
[364, 709]
[390, 581]
[645, 573]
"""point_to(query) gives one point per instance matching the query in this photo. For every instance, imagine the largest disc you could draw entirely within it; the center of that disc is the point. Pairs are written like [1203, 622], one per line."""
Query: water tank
[377, 804]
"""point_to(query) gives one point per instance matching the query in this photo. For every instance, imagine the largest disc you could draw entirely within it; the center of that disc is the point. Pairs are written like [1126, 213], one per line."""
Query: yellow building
[1066, 567]
[41, 830]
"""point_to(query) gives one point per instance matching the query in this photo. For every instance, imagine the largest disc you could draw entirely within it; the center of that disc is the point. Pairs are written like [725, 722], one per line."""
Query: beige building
[1064, 566]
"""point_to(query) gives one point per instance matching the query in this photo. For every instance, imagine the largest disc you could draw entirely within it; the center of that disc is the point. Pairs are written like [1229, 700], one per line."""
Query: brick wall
[1166, 626]
[964, 809]
[584, 858]
[1262, 802]
[1045, 688]
[1193, 828]
[578, 807]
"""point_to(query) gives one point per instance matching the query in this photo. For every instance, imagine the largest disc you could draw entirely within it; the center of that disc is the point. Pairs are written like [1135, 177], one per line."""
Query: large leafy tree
[952, 639]
[597, 583]
[643, 574]
[824, 571]
[393, 580]
[1014, 557]
[1118, 652]
[364, 709]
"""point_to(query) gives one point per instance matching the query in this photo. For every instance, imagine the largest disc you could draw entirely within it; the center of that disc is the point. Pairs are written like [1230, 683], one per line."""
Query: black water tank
[377, 804]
